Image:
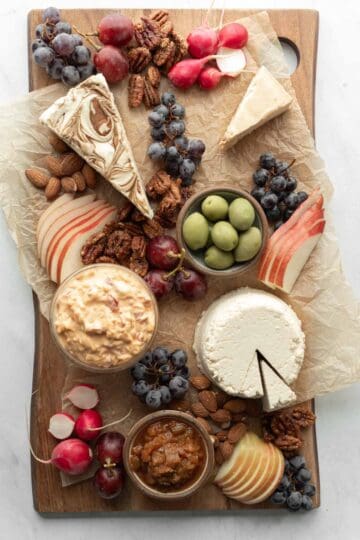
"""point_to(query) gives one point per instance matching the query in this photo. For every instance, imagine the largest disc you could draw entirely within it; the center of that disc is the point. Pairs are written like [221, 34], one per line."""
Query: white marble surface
[338, 427]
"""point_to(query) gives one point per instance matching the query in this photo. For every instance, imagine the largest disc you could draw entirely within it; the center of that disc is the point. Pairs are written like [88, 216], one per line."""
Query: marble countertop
[338, 426]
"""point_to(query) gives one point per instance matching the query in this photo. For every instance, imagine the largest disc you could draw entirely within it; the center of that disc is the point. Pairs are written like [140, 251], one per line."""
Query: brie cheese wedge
[238, 326]
[88, 120]
[265, 99]
[277, 394]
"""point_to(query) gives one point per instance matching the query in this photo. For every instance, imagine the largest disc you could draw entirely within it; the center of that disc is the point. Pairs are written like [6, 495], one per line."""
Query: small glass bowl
[199, 481]
[89, 367]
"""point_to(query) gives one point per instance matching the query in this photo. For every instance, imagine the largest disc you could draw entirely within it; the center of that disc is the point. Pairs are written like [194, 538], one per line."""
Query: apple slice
[275, 481]
[76, 217]
[241, 484]
[242, 451]
[69, 258]
[266, 479]
[315, 198]
[64, 199]
[62, 222]
[241, 471]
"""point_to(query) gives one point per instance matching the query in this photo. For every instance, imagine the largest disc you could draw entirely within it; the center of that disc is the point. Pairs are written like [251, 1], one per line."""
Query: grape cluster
[295, 489]
[160, 377]
[60, 52]
[275, 189]
[180, 155]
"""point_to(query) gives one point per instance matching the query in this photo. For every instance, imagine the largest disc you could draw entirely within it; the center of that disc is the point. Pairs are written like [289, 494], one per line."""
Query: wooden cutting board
[297, 27]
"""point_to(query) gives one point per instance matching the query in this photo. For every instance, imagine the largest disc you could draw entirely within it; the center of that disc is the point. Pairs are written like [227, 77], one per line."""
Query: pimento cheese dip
[104, 316]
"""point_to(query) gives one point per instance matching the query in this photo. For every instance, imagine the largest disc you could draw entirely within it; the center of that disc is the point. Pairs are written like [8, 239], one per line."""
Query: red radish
[88, 424]
[202, 42]
[83, 396]
[233, 35]
[210, 77]
[184, 73]
[71, 456]
[231, 61]
[61, 425]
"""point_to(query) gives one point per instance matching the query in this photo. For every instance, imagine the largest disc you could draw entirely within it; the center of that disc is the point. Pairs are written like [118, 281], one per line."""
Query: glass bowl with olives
[223, 230]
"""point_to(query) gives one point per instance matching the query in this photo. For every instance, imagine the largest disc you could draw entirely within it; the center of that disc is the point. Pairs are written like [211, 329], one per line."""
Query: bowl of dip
[104, 317]
[168, 455]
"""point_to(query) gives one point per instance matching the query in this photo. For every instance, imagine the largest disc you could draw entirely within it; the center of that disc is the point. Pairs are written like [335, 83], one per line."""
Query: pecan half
[139, 58]
[158, 185]
[139, 265]
[288, 443]
[118, 245]
[152, 228]
[303, 417]
[138, 246]
[154, 76]
[148, 33]
[125, 211]
[181, 47]
[151, 95]
[136, 88]
[93, 248]
[165, 52]
[159, 15]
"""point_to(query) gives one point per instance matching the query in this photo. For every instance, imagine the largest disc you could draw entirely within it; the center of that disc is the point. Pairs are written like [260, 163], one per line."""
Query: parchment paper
[321, 297]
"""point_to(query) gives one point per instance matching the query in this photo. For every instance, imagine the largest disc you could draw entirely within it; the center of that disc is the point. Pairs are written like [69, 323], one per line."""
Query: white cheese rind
[277, 394]
[265, 99]
[235, 327]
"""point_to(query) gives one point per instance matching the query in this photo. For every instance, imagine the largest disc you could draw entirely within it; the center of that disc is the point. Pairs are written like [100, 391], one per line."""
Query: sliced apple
[64, 199]
[274, 481]
[69, 258]
[243, 470]
[242, 452]
[266, 479]
[74, 218]
[60, 223]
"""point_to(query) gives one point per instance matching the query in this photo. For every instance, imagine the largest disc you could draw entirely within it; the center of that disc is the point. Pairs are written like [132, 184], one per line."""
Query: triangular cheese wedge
[88, 120]
[277, 393]
[265, 99]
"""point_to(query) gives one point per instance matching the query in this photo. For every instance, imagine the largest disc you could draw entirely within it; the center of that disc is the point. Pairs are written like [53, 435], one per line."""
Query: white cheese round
[235, 328]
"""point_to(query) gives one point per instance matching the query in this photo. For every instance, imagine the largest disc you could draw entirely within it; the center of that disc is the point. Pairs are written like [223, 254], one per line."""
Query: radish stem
[111, 423]
[45, 461]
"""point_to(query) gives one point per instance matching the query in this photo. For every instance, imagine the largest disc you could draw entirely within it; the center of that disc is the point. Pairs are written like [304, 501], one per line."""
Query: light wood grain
[299, 27]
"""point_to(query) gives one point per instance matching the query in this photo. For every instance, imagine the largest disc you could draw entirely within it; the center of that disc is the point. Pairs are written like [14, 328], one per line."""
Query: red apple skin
[315, 198]
[287, 244]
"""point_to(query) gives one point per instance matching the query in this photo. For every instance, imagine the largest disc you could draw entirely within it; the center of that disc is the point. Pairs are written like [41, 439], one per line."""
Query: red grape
[115, 29]
[112, 63]
[109, 482]
[190, 284]
[109, 448]
[162, 252]
[159, 283]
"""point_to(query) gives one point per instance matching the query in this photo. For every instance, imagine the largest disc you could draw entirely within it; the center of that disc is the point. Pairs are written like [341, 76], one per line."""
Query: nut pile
[67, 172]
[158, 49]
[283, 428]
[169, 196]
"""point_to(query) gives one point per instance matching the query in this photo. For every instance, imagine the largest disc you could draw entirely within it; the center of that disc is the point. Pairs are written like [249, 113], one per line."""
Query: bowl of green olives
[223, 230]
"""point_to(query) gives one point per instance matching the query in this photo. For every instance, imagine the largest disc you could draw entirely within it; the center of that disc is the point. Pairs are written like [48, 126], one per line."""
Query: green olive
[210, 240]
[218, 259]
[224, 236]
[249, 245]
[241, 214]
[195, 231]
[215, 207]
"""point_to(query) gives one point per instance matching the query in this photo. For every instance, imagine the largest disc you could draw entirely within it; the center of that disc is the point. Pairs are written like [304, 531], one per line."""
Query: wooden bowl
[199, 481]
[196, 258]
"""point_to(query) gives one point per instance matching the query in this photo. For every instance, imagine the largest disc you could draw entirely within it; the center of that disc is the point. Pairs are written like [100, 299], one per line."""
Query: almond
[236, 432]
[208, 399]
[58, 144]
[226, 449]
[68, 184]
[38, 178]
[198, 409]
[71, 163]
[54, 165]
[53, 188]
[80, 181]
[221, 416]
[90, 176]
[200, 382]
[235, 405]
[219, 457]
[222, 435]
[221, 398]
[205, 424]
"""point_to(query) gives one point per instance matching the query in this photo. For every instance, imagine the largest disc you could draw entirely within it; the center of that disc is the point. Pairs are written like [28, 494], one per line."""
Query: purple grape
[86, 71]
[43, 56]
[196, 148]
[70, 75]
[40, 30]
[77, 40]
[37, 43]
[80, 56]
[187, 169]
[51, 15]
[63, 44]
[55, 69]
[63, 27]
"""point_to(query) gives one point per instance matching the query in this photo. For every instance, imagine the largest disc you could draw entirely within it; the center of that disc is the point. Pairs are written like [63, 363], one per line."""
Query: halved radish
[61, 425]
[231, 61]
[83, 396]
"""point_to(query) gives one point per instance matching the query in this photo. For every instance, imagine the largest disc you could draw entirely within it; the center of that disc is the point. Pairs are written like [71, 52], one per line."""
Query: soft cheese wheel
[237, 326]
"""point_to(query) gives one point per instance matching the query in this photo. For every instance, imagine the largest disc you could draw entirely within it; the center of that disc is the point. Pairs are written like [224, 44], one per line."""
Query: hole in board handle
[292, 54]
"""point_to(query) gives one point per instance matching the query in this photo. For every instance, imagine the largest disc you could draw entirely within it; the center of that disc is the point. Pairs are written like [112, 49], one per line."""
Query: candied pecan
[175, 190]
[125, 211]
[283, 424]
[152, 228]
[138, 246]
[118, 245]
[164, 222]
[171, 58]
[151, 95]
[154, 76]
[159, 15]
[158, 185]
[137, 216]
[148, 33]
[106, 259]
[132, 228]
[136, 88]
[186, 193]
[181, 47]
[303, 417]
[165, 51]
[139, 58]
[288, 443]
[139, 265]
[93, 248]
